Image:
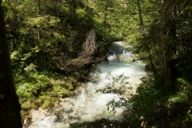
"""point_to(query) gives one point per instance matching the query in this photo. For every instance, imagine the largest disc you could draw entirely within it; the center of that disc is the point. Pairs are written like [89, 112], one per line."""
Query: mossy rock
[48, 103]
[27, 105]
[61, 91]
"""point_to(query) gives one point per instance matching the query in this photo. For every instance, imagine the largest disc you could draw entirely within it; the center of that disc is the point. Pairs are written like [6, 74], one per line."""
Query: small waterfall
[89, 104]
[117, 52]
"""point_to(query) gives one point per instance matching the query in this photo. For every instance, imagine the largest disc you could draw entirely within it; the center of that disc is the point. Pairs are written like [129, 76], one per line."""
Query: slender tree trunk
[140, 13]
[38, 14]
[105, 15]
[142, 25]
[73, 6]
[15, 24]
[9, 105]
[38, 7]
[57, 8]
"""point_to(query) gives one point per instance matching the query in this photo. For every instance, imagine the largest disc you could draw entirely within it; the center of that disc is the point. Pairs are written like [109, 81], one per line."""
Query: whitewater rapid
[91, 101]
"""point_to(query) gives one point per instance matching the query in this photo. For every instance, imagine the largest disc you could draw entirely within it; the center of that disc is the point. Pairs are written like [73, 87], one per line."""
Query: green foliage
[153, 107]
[31, 85]
[37, 89]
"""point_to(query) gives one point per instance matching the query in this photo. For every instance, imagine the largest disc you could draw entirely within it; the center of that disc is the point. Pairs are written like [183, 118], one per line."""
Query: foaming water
[89, 104]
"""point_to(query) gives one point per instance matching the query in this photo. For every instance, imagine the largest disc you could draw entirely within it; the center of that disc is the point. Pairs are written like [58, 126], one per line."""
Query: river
[91, 100]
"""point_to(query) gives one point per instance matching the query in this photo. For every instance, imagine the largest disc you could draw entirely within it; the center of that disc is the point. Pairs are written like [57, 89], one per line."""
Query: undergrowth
[154, 107]
[37, 89]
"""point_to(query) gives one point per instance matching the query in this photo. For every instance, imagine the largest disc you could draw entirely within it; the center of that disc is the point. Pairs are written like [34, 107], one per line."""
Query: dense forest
[49, 47]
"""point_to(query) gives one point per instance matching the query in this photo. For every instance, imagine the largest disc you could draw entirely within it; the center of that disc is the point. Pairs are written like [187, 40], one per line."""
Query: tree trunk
[9, 105]
[38, 14]
[105, 16]
[73, 7]
[168, 21]
[144, 32]
[38, 7]
[140, 13]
